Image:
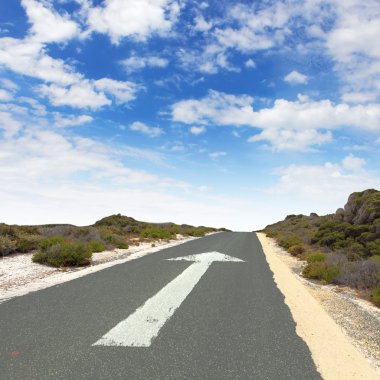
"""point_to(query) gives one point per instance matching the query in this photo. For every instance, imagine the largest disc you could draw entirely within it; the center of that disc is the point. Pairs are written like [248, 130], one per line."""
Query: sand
[334, 355]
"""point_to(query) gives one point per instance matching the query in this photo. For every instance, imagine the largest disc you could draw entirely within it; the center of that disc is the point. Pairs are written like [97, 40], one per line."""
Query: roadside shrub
[117, 220]
[373, 247]
[196, 232]
[27, 243]
[96, 246]
[363, 275]
[271, 234]
[376, 296]
[174, 230]
[366, 237]
[7, 245]
[46, 243]
[122, 245]
[156, 233]
[316, 257]
[296, 250]
[321, 271]
[331, 238]
[289, 241]
[59, 252]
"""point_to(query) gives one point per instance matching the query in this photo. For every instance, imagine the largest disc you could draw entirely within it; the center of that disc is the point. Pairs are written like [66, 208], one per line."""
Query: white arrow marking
[141, 327]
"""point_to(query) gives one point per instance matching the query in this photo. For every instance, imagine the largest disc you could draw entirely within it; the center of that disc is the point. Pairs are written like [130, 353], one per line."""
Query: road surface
[155, 318]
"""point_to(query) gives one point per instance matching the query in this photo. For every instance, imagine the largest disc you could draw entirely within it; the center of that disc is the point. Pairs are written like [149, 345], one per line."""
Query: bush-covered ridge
[347, 243]
[68, 245]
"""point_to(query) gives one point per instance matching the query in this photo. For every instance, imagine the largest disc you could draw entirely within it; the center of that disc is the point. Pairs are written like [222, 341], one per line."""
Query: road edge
[334, 355]
[56, 279]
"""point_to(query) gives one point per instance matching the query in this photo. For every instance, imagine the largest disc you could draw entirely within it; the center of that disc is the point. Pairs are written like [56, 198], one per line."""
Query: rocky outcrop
[361, 207]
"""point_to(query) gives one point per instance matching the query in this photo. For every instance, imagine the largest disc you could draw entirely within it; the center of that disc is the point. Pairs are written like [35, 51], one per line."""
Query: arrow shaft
[141, 327]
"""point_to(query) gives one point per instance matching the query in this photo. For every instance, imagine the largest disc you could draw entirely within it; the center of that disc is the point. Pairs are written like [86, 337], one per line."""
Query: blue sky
[223, 113]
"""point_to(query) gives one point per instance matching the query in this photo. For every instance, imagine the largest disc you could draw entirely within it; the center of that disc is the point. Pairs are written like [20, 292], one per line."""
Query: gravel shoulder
[20, 276]
[342, 331]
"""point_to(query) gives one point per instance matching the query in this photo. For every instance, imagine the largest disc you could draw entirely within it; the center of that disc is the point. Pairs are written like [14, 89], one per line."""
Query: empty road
[212, 316]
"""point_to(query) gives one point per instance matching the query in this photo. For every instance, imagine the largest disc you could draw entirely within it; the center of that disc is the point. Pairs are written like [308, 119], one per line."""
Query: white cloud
[250, 63]
[146, 130]
[353, 163]
[322, 114]
[286, 125]
[197, 130]
[123, 92]
[38, 154]
[217, 108]
[9, 85]
[356, 31]
[209, 60]
[225, 109]
[135, 63]
[35, 107]
[131, 18]
[201, 24]
[259, 28]
[177, 148]
[244, 28]
[61, 121]
[244, 39]
[63, 85]
[47, 24]
[295, 77]
[351, 41]
[314, 182]
[89, 94]
[359, 97]
[9, 124]
[216, 155]
[5, 96]
[47, 177]
[144, 154]
[80, 95]
[28, 57]
[292, 139]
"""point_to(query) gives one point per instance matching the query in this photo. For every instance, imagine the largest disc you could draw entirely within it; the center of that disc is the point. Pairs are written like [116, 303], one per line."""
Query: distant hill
[341, 248]
[114, 231]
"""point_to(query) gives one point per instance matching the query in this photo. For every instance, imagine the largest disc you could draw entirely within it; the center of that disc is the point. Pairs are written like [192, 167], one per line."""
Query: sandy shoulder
[335, 356]
[20, 276]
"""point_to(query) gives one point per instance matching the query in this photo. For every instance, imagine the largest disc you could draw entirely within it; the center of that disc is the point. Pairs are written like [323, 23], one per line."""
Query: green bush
[376, 296]
[296, 250]
[96, 246]
[7, 245]
[289, 241]
[122, 245]
[156, 233]
[271, 234]
[27, 243]
[316, 257]
[321, 271]
[331, 238]
[49, 242]
[60, 252]
[196, 232]
[373, 247]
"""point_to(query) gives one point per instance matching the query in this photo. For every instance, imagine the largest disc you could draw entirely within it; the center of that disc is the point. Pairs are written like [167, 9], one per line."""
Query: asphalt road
[234, 323]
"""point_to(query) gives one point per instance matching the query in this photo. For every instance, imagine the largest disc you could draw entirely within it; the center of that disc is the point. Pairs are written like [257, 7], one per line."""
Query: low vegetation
[67, 245]
[341, 248]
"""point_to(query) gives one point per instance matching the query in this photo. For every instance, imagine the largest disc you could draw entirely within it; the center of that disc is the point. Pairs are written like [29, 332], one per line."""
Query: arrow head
[207, 257]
